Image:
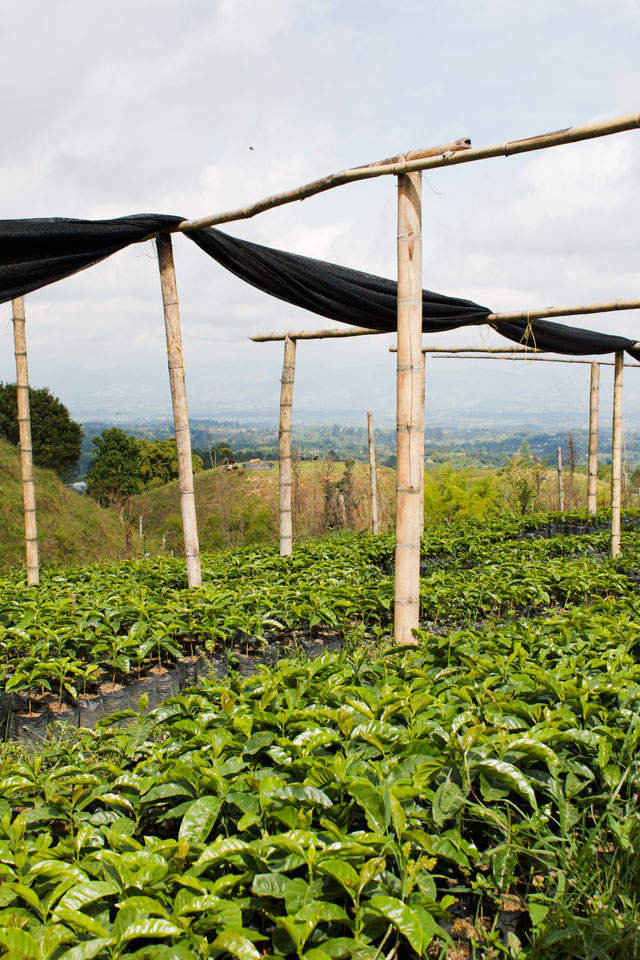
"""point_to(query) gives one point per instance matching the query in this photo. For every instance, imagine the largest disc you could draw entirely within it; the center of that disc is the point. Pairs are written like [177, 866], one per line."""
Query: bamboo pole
[367, 172]
[284, 447]
[616, 456]
[410, 417]
[492, 319]
[592, 473]
[26, 448]
[373, 474]
[602, 363]
[560, 483]
[180, 409]
[442, 156]
[317, 334]
[420, 440]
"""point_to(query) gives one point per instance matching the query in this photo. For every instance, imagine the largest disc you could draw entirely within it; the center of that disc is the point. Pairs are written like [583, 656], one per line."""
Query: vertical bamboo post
[421, 442]
[26, 449]
[284, 447]
[410, 412]
[616, 454]
[373, 474]
[180, 410]
[592, 475]
[560, 484]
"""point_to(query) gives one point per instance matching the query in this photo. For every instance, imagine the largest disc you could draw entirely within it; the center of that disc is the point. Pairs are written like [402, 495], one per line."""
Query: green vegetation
[56, 438]
[476, 794]
[71, 529]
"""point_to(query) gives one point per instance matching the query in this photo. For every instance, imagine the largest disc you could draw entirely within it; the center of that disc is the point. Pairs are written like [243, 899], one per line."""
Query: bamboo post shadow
[592, 474]
[616, 455]
[373, 475]
[180, 409]
[26, 448]
[284, 447]
[410, 412]
[560, 483]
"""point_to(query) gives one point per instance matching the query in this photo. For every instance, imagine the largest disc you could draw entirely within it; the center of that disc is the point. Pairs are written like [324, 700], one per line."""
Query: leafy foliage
[355, 805]
[55, 437]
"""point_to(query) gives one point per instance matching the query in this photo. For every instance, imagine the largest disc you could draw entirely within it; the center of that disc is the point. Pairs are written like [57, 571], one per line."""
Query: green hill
[238, 507]
[72, 529]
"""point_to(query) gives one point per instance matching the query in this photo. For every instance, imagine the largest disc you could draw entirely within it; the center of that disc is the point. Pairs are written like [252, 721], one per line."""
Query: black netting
[34, 253]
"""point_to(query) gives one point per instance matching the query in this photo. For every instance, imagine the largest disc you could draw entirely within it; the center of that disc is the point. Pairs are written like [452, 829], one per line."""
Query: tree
[159, 462]
[56, 438]
[523, 475]
[115, 476]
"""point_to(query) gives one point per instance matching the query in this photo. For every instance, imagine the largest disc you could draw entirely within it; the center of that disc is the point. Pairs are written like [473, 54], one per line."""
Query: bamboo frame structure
[560, 483]
[616, 456]
[444, 156]
[26, 446]
[284, 447]
[175, 361]
[592, 470]
[373, 477]
[410, 411]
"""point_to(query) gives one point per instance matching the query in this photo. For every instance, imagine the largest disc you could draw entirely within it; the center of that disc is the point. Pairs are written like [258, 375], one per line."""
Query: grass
[71, 529]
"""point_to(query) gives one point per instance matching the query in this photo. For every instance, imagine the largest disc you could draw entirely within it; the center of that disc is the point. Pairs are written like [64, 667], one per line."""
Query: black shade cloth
[34, 253]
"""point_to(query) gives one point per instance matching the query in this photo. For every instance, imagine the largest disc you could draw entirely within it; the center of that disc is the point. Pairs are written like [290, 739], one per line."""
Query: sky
[202, 106]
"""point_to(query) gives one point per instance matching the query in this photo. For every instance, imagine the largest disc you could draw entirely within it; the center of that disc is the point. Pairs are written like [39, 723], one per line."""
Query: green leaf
[236, 945]
[438, 846]
[537, 912]
[503, 862]
[199, 819]
[377, 813]
[19, 941]
[86, 950]
[74, 918]
[269, 885]
[297, 893]
[85, 893]
[510, 775]
[447, 800]
[402, 917]
[534, 748]
[341, 871]
[27, 894]
[151, 927]
[322, 910]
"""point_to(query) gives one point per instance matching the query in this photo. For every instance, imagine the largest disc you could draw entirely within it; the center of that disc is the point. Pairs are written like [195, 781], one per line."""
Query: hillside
[71, 529]
[239, 507]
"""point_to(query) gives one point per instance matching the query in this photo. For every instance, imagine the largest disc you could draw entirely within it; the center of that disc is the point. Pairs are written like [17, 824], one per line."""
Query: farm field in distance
[321, 793]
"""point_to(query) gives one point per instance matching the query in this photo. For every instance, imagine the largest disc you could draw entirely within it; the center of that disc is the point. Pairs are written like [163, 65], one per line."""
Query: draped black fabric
[350, 296]
[34, 253]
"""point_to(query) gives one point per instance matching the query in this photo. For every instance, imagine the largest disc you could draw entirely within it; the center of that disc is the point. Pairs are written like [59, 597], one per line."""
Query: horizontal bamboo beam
[327, 183]
[609, 306]
[317, 334]
[459, 356]
[529, 351]
[443, 156]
